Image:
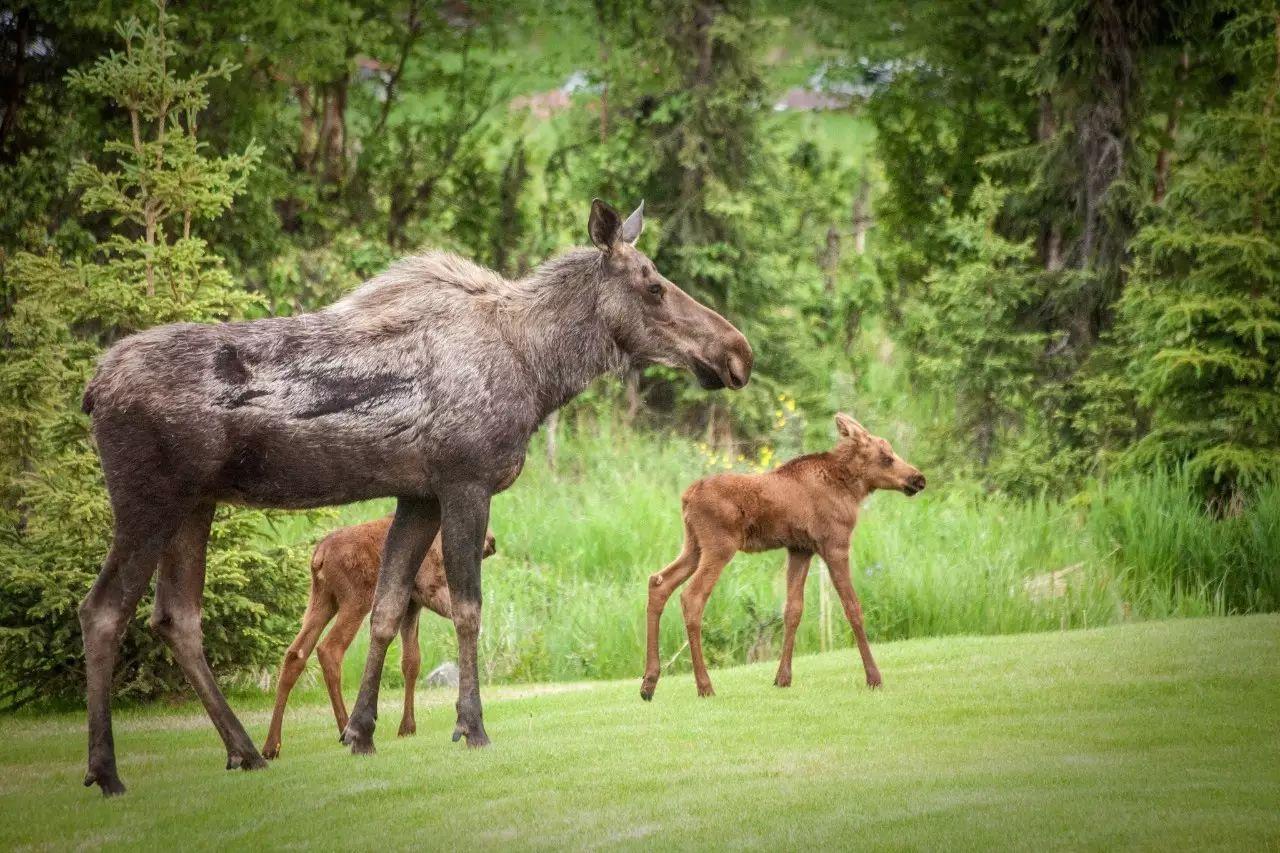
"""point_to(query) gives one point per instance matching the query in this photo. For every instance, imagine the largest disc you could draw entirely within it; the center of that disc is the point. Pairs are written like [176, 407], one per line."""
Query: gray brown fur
[425, 384]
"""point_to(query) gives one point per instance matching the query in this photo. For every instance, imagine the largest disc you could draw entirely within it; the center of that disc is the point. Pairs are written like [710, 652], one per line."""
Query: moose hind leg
[797, 571]
[410, 666]
[466, 518]
[320, 609]
[415, 525]
[176, 619]
[140, 536]
[661, 586]
[694, 600]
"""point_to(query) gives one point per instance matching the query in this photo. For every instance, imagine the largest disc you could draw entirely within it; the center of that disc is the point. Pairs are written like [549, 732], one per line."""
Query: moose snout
[738, 364]
[915, 484]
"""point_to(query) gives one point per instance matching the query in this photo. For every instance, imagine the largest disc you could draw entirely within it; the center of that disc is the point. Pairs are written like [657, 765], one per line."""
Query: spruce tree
[1202, 310]
[156, 186]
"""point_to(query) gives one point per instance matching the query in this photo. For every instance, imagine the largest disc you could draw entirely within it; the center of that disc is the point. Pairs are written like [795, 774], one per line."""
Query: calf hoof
[249, 761]
[271, 750]
[873, 679]
[647, 687]
[407, 728]
[705, 690]
[107, 780]
[782, 680]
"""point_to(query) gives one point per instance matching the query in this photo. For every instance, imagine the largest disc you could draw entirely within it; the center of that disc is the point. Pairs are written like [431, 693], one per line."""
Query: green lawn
[1157, 735]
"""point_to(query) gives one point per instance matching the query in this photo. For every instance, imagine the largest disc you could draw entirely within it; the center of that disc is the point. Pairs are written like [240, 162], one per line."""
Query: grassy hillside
[1156, 735]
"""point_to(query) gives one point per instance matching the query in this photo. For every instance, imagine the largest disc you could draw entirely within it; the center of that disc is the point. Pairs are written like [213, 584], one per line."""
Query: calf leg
[141, 534]
[176, 618]
[797, 571]
[332, 650]
[694, 600]
[661, 586]
[838, 565]
[415, 525]
[320, 609]
[410, 666]
[466, 520]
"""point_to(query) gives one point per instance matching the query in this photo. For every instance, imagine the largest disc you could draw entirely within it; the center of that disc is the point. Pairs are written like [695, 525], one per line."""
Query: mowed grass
[1155, 735]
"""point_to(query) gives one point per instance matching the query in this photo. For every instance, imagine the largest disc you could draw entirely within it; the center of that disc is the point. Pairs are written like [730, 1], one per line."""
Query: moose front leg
[415, 525]
[837, 561]
[466, 519]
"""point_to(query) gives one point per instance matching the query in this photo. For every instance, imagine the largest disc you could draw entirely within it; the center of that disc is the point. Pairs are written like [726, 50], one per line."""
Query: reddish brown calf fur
[344, 572]
[808, 506]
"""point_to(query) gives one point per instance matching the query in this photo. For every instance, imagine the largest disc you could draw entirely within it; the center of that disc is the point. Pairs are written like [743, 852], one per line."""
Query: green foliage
[564, 595]
[1202, 311]
[970, 333]
[56, 519]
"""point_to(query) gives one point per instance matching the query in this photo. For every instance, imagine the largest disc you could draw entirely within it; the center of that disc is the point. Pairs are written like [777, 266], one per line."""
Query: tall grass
[565, 595]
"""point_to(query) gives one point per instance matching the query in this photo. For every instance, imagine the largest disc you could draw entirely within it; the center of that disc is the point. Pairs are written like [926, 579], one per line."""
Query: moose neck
[560, 327]
[846, 474]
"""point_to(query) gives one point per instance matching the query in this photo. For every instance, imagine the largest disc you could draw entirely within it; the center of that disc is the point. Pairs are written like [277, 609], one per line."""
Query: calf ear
[849, 428]
[634, 225]
[604, 226]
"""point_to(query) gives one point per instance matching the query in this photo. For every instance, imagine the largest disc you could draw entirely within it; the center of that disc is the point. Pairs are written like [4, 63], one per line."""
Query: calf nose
[490, 546]
[917, 482]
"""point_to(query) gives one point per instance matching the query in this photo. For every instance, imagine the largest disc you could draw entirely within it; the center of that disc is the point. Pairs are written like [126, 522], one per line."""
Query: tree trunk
[1268, 107]
[1164, 157]
[862, 213]
[553, 428]
[632, 392]
[1050, 231]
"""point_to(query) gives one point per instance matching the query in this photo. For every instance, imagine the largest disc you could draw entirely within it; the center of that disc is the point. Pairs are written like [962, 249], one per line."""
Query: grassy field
[565, 595]
[1157, 735]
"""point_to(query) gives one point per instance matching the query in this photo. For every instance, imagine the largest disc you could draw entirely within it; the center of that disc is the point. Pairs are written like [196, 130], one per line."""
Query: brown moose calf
[808, 506]
[344, 572]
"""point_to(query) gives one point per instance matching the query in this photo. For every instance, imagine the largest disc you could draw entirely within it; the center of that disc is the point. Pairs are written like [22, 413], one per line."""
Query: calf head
[875, 460]
[653, 320]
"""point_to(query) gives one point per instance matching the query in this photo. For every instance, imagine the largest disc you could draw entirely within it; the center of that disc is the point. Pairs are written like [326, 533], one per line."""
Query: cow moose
[425, 384]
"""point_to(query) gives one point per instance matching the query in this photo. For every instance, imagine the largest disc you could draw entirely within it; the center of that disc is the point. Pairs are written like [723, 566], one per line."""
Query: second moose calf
[808, 506]
[344, 572]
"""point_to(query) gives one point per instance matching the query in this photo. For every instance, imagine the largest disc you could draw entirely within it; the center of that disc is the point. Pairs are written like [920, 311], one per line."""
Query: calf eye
[655, 289]
[886, 459]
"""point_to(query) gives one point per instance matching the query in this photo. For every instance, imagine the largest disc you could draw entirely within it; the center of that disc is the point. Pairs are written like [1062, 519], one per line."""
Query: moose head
[653, 320]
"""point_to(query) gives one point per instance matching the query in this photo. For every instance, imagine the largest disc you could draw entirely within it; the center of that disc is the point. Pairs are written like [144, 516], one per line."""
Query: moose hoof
[108, 781]
[476, 738]
[252, 761]
[360, 743]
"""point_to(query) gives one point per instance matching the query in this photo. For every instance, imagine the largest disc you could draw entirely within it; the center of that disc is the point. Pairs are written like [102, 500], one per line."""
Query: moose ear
[605, 225]
[848, 427]
[634, 225]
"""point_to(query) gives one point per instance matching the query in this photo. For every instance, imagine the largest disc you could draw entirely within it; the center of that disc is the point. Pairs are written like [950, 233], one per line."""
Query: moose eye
[655, 289]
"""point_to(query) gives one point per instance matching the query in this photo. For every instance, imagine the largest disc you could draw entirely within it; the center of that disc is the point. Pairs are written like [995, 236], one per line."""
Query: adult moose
[425, 384]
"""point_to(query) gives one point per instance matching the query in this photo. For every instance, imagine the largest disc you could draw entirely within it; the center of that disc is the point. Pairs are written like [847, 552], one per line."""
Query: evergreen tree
[1202, 311]
[971, 332]
[155, 187]
[686, 131]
